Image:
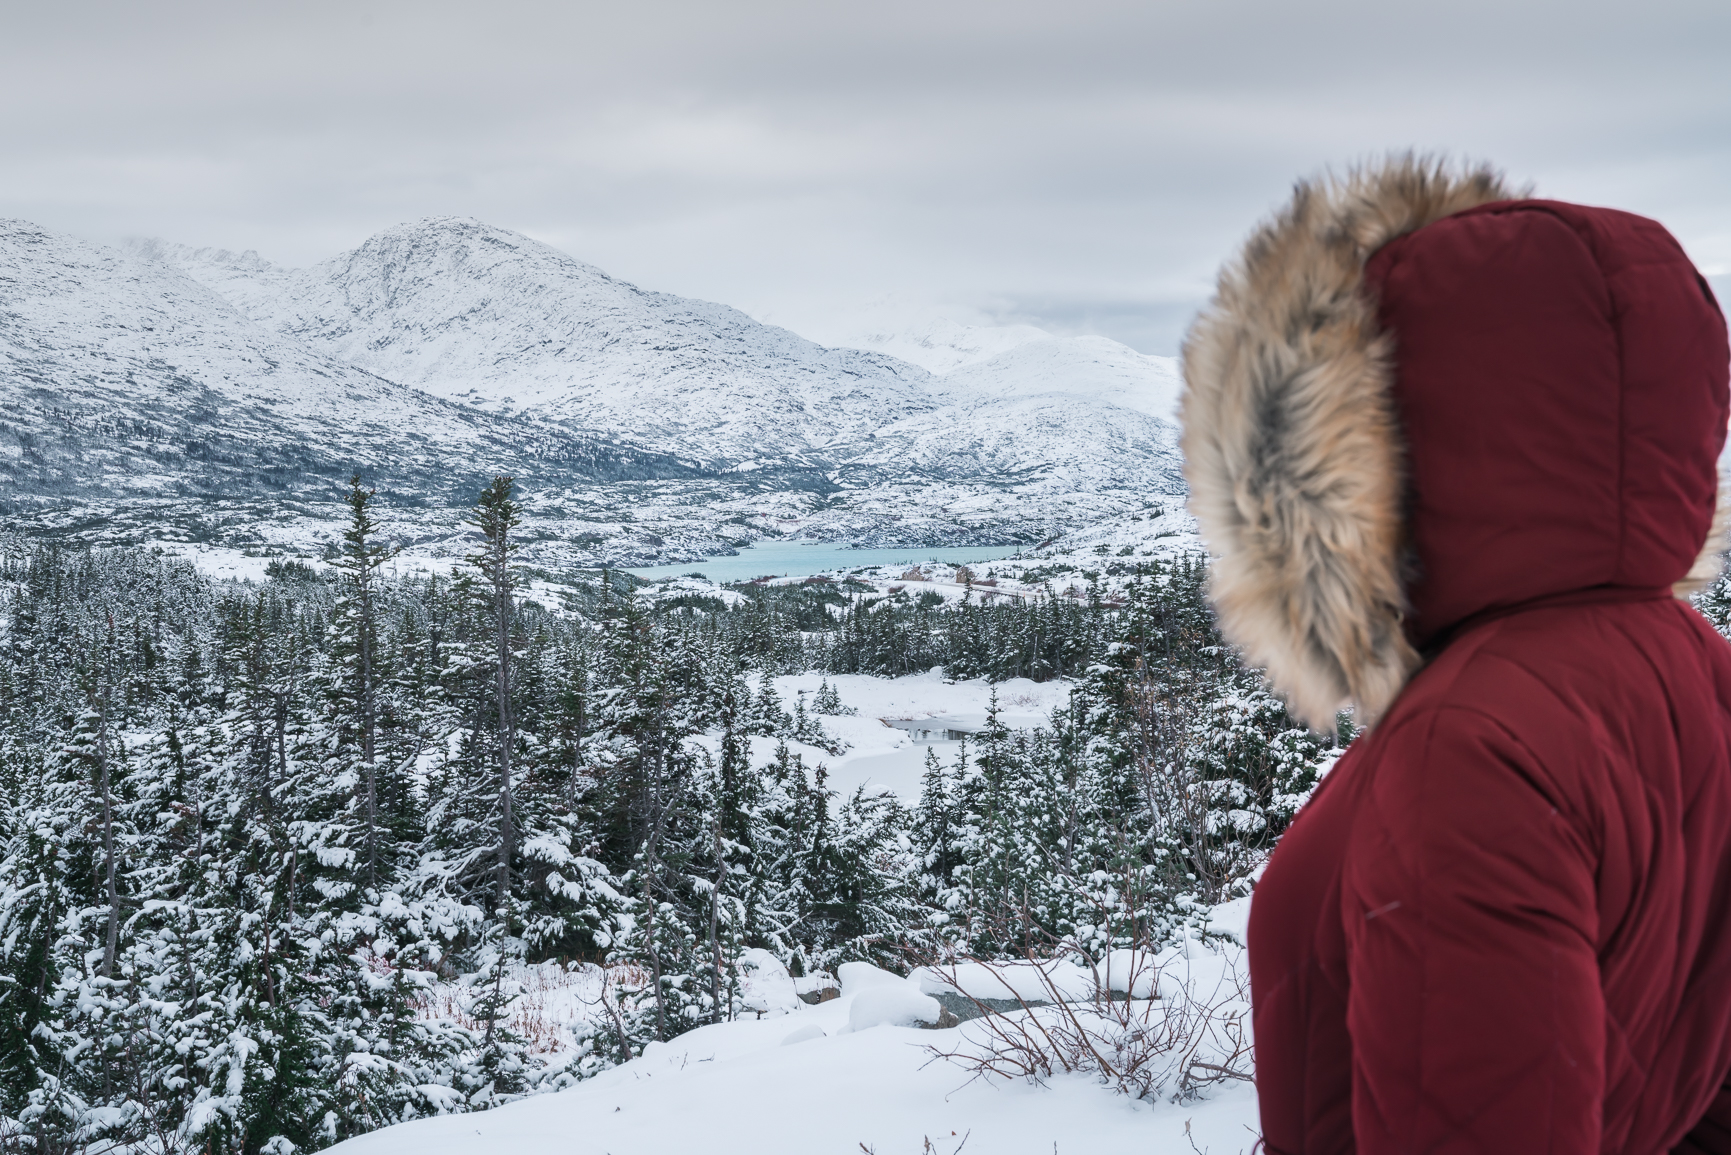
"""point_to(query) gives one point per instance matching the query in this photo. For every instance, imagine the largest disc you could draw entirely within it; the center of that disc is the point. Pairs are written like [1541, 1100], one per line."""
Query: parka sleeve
[1476, 1011]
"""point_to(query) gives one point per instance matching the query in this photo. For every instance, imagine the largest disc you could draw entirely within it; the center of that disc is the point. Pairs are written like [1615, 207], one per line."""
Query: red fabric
[1503, 924]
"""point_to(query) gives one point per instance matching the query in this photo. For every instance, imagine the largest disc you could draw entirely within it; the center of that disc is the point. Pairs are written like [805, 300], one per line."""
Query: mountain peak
[480, 314]
[468, 239]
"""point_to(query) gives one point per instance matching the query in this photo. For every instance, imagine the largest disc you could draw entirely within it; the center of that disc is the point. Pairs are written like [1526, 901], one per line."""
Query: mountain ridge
[504, 323]
[215, 390]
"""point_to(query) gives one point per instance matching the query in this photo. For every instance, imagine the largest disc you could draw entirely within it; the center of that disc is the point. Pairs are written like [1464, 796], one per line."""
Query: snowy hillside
[643, 428]
[124, 376]
[1061, 414]
[1097, 368]
[507, 324]
[930, 338]
[1046, 442]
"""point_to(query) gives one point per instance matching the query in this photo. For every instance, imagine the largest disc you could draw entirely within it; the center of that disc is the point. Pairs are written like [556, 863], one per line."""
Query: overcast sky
[1084, 166]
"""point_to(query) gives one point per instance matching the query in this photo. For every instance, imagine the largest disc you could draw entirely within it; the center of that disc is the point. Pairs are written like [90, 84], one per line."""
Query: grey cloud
[1089, 163]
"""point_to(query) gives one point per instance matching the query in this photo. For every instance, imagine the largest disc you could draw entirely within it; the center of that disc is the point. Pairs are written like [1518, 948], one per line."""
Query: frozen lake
[797, 559]
[878, 754]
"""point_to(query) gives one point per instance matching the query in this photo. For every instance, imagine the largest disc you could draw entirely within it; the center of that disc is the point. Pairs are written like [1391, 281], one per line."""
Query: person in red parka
[1455, 452]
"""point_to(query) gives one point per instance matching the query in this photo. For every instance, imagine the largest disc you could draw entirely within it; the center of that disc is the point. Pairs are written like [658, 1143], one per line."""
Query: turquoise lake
[797, 559]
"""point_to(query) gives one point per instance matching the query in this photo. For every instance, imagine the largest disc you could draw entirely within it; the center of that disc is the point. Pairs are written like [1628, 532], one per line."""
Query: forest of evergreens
[247, 828]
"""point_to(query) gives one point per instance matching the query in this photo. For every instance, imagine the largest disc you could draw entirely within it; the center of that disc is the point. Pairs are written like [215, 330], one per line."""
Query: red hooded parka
[1503, 923]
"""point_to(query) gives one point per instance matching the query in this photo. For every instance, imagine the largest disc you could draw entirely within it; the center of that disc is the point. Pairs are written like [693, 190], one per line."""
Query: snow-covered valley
[197, 406]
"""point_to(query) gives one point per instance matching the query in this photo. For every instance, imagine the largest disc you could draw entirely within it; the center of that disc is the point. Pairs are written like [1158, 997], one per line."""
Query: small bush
[1192, 1034]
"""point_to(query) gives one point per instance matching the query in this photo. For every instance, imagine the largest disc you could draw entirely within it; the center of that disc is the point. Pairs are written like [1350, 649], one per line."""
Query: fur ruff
[1291, 443]
[1293, 450]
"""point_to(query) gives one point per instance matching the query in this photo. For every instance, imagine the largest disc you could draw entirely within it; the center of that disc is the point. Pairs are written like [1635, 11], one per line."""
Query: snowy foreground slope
[844, 1076]
[813, 1080]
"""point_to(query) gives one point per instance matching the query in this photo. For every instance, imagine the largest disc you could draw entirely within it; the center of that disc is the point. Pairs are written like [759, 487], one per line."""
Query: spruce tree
[496, 515]
[359, 561]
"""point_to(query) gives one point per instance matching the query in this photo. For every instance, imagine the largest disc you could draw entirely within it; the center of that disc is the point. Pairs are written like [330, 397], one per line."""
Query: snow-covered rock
[900, 1005]
[1130, 972]
[765, 986]
[817, 987]
[859, 976]
[1232, 919]
[1008, 982]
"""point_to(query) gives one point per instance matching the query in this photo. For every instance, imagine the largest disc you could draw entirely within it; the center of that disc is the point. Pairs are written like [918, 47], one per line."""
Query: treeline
[248, 829]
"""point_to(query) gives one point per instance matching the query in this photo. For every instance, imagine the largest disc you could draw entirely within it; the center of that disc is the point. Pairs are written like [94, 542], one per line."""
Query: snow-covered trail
[736, 1089]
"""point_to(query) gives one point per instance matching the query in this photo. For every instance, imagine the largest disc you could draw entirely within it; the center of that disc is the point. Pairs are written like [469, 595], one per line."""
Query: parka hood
[1418, 397]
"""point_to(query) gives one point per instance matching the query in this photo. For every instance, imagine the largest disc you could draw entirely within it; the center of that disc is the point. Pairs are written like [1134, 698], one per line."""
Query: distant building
[935, 729]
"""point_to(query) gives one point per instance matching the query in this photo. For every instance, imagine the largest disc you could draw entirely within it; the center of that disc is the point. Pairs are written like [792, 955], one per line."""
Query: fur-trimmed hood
[1390, 428]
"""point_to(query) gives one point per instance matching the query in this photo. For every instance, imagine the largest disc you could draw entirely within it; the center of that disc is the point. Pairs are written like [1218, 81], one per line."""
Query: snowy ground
[733, 1089]
[879, 755]
[815, 1079]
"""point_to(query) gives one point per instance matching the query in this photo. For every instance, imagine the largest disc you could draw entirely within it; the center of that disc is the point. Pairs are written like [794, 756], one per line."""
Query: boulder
[817, 987]
[859, 976]
[901, 1005]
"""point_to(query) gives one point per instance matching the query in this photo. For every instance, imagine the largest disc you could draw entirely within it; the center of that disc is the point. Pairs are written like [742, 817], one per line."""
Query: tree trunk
[112, 941]
[368, 715]
[507, 735]
[715, 916]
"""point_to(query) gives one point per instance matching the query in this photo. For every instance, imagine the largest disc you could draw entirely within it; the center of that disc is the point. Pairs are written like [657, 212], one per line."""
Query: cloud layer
[1082, 166]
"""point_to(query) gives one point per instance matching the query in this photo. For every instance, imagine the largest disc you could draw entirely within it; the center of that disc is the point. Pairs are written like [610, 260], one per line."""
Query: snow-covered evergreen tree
[274, 856]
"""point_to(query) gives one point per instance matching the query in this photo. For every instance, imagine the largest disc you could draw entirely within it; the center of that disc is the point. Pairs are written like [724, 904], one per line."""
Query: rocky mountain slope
[124, 377]
[208, 396]
[507, 324]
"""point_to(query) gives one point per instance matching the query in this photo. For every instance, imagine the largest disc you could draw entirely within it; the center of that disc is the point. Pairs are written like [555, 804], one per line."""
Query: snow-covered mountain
[496, 320]
[1043, 442]
[217, 397]
[504, 323]
[1097, 368]
[1057, 414]
[930, 338]
[125, 376]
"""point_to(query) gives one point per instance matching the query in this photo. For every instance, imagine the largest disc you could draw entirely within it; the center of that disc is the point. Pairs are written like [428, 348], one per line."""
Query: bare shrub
[1146, 1028]
[547, 1013]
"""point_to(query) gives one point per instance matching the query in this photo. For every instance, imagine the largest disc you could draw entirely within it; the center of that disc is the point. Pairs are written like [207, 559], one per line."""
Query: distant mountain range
[441, 351]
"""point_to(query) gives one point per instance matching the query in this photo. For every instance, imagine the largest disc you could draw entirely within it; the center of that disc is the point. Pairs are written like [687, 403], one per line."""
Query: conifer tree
[496, 515]
[359, 562]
